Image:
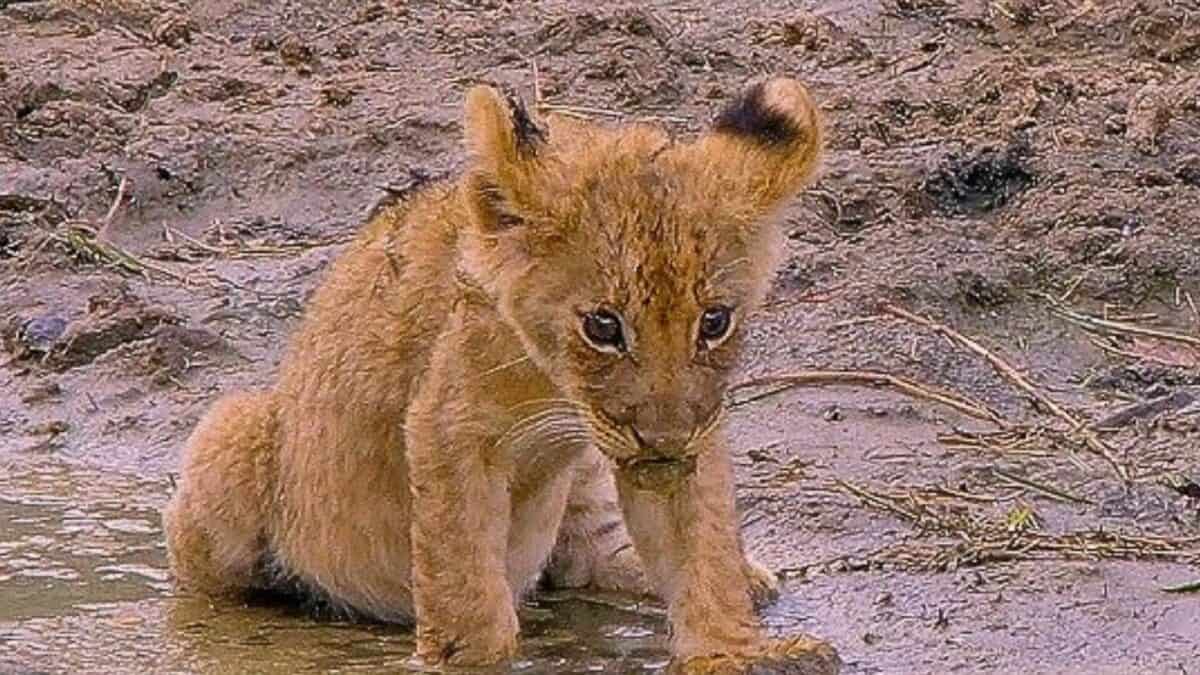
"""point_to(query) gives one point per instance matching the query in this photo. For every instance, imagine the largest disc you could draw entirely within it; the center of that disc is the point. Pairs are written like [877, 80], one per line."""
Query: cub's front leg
[464, 605]
[594, 549]
[683, 523]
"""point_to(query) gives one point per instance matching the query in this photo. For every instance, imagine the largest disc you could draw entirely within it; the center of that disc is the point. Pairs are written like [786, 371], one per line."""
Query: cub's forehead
[643, 192]
[651, 219]
[652, 239]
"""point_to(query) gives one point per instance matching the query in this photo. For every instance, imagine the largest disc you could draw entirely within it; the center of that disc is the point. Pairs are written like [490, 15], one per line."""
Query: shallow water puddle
[70, 536]
[84, 588]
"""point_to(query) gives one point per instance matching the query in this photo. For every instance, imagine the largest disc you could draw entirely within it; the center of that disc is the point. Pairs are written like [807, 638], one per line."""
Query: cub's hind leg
[593, 547]
[216, 519]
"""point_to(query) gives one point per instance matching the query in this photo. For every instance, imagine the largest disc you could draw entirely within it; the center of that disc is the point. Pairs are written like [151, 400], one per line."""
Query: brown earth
[983, 154]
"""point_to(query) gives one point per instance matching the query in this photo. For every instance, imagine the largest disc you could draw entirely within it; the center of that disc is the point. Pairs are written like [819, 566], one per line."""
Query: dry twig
[1001, 366]
[1014, 440]
[978, 540]
[1041, 488]
[1076, 424]
[818, 378]
[106, 224]
[239, 249]
[1109, 327]
[84, 242]
[1193, 587]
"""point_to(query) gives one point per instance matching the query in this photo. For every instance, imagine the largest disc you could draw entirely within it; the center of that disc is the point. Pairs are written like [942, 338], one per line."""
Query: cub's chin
[664, 475]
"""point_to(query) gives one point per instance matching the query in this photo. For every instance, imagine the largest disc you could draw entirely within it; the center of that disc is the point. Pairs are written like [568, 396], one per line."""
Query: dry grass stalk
[1030, 441]
[923, 510]
[83, 242]
[820, 378]
[106, 225]
[1001, 366]
[1076, 424]
[979, 540]
[1096, 324]
[1192, 587]
[240, 250]
[1040, 487]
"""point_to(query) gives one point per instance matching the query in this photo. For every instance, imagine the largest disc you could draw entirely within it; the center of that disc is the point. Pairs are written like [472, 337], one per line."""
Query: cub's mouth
[657, 474]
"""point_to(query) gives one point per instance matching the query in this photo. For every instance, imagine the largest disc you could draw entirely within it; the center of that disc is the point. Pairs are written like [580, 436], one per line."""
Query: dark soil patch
[982, 181]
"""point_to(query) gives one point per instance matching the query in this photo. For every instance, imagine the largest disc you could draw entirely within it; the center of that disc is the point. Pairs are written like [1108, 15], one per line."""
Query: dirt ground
[174, 178]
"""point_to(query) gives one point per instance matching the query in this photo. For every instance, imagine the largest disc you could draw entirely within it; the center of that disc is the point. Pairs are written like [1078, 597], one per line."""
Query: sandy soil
[1011, 169]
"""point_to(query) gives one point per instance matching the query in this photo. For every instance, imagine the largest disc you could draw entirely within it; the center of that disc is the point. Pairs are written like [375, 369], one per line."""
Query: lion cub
[517, 375]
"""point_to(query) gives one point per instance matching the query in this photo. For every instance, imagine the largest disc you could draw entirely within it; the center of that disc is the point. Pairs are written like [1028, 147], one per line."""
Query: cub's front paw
[764, 585]
[483, 645]
[797, 655]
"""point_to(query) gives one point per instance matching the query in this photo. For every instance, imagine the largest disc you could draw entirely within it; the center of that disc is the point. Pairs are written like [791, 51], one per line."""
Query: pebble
[39, 334]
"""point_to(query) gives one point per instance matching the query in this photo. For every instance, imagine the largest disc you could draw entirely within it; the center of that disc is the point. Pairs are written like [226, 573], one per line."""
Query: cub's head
[627, 261]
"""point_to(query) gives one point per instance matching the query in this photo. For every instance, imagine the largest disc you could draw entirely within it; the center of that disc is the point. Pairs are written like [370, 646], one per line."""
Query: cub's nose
[660, 443]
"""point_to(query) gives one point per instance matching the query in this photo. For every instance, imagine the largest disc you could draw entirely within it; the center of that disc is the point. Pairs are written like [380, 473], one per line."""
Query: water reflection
[84, 589]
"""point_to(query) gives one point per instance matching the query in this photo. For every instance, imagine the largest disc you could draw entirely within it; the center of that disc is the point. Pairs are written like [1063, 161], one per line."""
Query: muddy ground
[1013, 170]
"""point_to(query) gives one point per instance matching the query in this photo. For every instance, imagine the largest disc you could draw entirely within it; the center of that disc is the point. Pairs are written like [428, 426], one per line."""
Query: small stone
[39, 334]
[8, 243]
[759, 455]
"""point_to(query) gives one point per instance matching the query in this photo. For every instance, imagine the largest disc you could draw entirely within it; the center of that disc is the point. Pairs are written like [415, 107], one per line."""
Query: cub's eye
[714, 323]
[603, 328]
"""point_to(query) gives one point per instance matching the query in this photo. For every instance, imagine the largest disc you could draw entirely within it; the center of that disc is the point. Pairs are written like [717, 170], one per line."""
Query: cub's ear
[767, 142]
[499, 128]
[504, 143]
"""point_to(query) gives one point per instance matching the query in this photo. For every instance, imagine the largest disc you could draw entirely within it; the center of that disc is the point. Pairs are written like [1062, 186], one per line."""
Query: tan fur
[443, 431]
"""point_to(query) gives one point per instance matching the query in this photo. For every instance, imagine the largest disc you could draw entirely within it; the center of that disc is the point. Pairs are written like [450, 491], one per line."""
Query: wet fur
[441, 435]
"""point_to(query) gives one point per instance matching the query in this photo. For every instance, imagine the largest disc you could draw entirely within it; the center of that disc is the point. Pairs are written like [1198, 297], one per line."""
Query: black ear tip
[758, 116]
[528, 134]
[495, 96]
